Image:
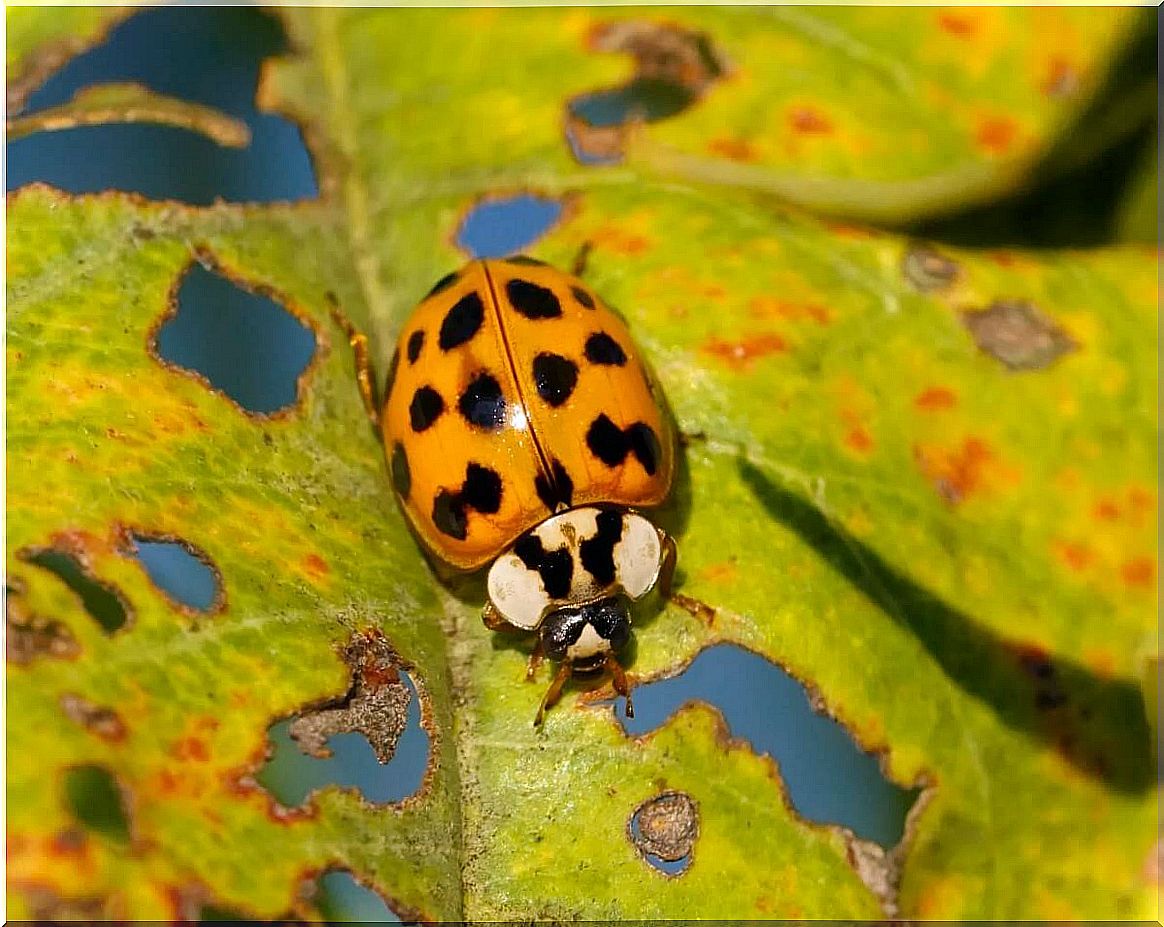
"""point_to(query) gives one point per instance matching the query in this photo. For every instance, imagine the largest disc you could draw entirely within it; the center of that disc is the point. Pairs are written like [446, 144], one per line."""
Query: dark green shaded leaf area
[919, 478]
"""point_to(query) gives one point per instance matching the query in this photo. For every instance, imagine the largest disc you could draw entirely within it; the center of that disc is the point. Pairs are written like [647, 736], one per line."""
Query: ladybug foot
[621, 683]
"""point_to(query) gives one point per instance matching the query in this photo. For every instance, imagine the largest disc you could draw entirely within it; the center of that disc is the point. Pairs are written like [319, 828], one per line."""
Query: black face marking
[481, 491]
[602, 349]
[598, 551]
[443, 284]
[462, 321]
[401, 474]
[425, 409]
[533, 301]
[557, 491]
[611, 444]
[415, 343]
[562, 628]
[527, 261]
[555, 567]
[555, 377]
[482, 403]
[582, 296]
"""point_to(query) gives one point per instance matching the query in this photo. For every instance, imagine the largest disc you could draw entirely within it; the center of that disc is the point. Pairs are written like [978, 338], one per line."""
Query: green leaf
[921, 481]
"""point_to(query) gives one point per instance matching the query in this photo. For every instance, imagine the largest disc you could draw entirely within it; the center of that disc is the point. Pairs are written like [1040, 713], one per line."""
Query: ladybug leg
[621, 683]
[535, 660]
[553, 693]
[692, 606]
[492, 619]
[580, 259]
[365, 377]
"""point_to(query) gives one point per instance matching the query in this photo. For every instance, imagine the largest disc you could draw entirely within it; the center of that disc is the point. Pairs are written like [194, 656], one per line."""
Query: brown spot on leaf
[927, 270]
[740, 355]
[29, 636]
[375, 706]
[961, 24]
[1139, 572]
[46, 905]
[996, 134]
[878, 868]
[805, 120]
[104, 722]
[1017, 334]
[1062, 79]
[936, 398]
[665, 826]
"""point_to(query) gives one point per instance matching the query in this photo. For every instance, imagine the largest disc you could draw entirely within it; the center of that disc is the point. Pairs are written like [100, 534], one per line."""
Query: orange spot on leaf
[315, 565]
[1077, 557]
[734, 149]
[807, 121]
[859, 440]
[996, 134]
[719, 572]
[960, 472]
[1139, 572]
[936, 398]
[191, 748]
[740, 355]
[770, 307]
[959, 24]
[1105, 510]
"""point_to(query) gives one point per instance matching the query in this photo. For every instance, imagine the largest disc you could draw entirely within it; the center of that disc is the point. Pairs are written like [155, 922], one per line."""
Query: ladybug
[524, 431]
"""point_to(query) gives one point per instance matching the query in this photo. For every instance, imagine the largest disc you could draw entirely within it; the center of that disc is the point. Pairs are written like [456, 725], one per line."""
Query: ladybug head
[585, 634]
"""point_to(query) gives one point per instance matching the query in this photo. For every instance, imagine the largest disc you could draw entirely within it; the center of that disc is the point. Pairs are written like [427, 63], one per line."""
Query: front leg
[365, 375]
[692, 606]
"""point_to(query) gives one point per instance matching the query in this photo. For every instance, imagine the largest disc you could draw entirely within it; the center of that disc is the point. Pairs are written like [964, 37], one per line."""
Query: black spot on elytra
[524, 260]
[462, 322]
[533, 301]
[611, 444]
[480, 491]
[401, 474]
[555, 377]
[415, 344]
[555, 567]
[582, 296]
[558, 490]
[482, 403]
[598, 551]
[602, 349]
[425, 409]
[443, 284]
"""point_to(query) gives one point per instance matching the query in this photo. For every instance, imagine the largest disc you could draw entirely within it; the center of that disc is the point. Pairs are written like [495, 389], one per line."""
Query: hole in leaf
[342, 899]
[96, 801]
[664, 829]
[673, 69]
[828, 777]
[168, 50]
[101, 601]
[498, 227]
[372, 739]
[245, 344]
[173, 567]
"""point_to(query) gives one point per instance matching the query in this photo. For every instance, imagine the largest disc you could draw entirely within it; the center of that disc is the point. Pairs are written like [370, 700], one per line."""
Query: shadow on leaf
[1097, 724]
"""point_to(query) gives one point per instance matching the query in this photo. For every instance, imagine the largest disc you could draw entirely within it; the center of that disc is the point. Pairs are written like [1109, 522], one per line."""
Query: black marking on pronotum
[602, 349]
[415, 344]
[425, 409]
[555, 567]
[598, 551]
[533, 301]
[582, 296]
[481, 491]
[555, 377]
[482, 403]
[523, 259]
[401, 474]
[443, 284]
[556, 491]
[462, 322]
[611, 444]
